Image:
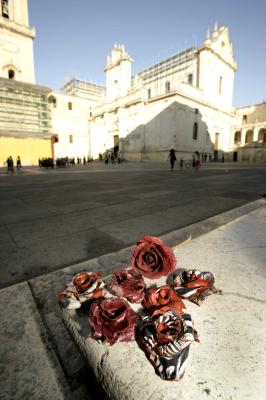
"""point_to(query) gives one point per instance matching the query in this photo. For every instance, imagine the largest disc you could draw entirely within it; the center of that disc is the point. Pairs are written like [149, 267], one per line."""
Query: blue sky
[75, 36]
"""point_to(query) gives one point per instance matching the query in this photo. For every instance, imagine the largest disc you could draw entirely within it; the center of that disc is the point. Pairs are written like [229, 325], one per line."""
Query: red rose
[163, 298]
[112, 320]
[152, 258]
[84, 286]
[128, 283]
[84, 280]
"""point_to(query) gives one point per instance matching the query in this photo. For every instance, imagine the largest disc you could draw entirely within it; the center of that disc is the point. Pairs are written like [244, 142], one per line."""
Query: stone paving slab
[84, 245]
[29, 369]
[229, 362]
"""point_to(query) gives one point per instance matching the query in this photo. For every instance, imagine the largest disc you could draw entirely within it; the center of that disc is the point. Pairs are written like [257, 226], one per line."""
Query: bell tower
[118, 73]
[16, 41]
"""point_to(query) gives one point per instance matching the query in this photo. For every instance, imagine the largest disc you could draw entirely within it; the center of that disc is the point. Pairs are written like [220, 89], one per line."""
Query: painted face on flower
[152, 258]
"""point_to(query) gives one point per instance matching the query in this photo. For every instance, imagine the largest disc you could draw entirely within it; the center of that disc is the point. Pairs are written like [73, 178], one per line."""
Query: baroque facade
[183, 102]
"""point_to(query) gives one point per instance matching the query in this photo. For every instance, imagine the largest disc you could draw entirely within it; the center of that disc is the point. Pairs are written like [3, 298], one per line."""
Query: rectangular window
[5, 8]
[220, 84]
[69, 105]
[149, 93]
[116, 141]
[190, 79]
[244, 118]
[167, 87]
[70, 138]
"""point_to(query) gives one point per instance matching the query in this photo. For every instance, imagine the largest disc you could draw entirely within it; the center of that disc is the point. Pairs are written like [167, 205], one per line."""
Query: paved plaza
[54, 218]
[55, 223]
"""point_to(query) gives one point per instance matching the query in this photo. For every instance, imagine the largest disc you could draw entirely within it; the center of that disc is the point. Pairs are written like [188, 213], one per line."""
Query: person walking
[172, 158]
[197, 161]
[18, 163]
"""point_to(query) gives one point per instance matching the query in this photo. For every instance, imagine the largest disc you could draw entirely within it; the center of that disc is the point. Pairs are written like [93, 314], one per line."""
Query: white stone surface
[16, 43]
[229, 361]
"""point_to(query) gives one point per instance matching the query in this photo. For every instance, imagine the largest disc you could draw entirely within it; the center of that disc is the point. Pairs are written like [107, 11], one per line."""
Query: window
[52, 100]
[262, 136]
[195, 131]
[220, 84]
[190, 79]
[116, 141]
[55, 139]
[237, 138]
[69, 105]
[249, 137]
[244, 119]
[5, 8]
[11, 74]
[196, 110]
[70, 138]
[167, 87]
[149, 93]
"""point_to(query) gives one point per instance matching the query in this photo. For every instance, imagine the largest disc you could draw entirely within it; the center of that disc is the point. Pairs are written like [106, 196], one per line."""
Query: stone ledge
[229, 362]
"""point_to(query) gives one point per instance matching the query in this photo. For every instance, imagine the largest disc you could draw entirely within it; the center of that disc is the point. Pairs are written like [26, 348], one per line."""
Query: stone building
[182, 102]
[248, 134]
[25, 120]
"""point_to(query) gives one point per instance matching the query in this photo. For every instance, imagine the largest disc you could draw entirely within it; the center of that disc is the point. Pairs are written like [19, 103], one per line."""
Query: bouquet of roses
[161, 326]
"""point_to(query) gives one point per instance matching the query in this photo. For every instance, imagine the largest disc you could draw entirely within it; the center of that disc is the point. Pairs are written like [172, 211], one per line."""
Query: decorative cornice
[158, 98]
[25, 134]
[17, 28]
[124, 57]
[16, 85]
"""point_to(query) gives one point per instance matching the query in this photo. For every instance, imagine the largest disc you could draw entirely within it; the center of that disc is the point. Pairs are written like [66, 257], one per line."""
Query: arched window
[11, 74]
[195, 131]
[237, 137]
[220, 84]
[262, 136]
[167, 87]
[249, 137]
[52, 100]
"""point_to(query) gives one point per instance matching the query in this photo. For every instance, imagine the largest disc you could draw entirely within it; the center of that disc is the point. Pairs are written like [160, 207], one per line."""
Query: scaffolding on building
[169, 72]
[24, 108]
[82, 88]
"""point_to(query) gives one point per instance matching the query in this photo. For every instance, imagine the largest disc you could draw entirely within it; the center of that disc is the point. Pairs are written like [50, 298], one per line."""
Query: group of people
[195, 160]
[112, 157]
[63, 161]
[10, 164]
